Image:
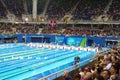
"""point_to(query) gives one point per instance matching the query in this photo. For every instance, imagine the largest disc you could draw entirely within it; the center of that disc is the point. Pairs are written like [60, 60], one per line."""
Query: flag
[2, 34]
[76, 22]
[53, 23]
[11, 35]
[65, 21]
[56, 39]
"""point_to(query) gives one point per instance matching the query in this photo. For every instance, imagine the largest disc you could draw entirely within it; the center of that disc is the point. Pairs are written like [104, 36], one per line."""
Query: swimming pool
[19, 61]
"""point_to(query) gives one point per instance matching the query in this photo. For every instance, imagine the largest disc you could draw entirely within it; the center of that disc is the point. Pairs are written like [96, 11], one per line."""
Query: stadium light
[26, 19]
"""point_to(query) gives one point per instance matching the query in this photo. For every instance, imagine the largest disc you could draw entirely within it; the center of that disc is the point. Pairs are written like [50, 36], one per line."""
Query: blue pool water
[18, 61]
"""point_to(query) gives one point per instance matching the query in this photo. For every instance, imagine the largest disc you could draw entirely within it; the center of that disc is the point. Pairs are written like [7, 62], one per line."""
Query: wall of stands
[57, 39]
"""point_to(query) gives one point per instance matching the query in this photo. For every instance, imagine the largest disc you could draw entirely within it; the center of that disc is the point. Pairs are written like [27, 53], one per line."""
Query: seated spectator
[113, 77]
[105, 74]
[113, 71]
[67, 76]
[88, 76]
[109, 64]
[81, 72]
[77, 77]
[98, 77]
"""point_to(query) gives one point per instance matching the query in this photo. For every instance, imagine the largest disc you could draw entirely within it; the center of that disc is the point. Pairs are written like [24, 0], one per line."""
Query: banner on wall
[74, 41]
[59, 40]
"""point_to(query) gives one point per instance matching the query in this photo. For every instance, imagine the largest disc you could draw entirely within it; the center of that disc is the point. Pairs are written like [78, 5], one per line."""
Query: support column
[34, 11]
[25, 6]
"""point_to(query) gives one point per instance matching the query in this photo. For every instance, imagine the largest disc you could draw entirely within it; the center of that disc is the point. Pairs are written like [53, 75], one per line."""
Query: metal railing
[60, 22]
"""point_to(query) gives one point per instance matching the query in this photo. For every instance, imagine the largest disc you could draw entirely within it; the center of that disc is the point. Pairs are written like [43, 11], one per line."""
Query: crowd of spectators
[2, 11]
[114, 11]
[107, 67]
[26, 29]
[90, 9]
[87, 31]
[41, 6]
[18, 29]
[77, 31]
[57, 9]
[14, 7]
[5, 29]
[92, 32]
